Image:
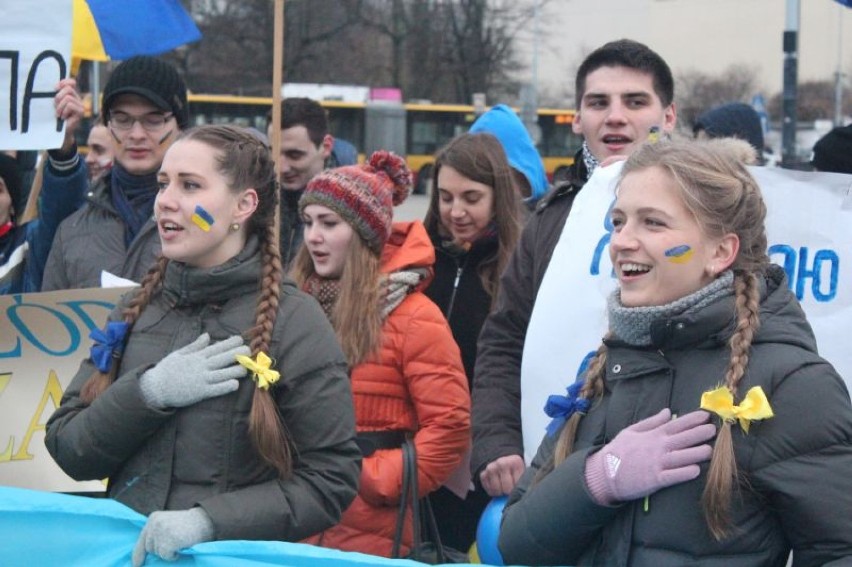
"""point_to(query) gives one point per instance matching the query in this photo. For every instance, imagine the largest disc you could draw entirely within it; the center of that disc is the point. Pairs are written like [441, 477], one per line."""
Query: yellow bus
[427, 127]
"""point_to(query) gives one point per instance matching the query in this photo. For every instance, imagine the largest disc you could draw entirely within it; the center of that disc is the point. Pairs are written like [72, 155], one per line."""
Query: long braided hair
[724, 198]
[245, 161]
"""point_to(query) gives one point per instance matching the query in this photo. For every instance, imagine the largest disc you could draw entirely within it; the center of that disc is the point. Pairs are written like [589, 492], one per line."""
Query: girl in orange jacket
[407, 377]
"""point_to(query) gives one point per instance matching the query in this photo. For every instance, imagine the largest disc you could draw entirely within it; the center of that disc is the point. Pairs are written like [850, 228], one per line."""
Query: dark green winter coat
[795, 489]
[174, 459]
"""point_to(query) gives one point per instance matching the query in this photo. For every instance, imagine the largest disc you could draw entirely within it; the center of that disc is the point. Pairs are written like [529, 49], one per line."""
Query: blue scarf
[133, 198]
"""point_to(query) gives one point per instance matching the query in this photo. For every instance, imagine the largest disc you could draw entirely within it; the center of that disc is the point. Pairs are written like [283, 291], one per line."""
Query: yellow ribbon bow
[753, 407]
[260, 368]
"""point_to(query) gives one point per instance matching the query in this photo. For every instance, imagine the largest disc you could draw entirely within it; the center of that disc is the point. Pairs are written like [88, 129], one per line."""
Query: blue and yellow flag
[106, 29]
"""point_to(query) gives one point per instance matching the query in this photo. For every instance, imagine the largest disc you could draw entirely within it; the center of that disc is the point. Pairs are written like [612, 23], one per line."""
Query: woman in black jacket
[207, 397]
[705, 341]
[474, 223]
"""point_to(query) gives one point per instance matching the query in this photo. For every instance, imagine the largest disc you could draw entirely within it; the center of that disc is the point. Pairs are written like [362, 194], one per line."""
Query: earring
[235, 227]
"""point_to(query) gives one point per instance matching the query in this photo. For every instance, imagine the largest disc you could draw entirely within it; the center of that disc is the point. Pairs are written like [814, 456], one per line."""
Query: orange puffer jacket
[416, 384]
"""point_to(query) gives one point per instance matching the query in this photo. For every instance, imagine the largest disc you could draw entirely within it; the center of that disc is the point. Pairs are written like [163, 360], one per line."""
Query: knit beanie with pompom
[363, 195]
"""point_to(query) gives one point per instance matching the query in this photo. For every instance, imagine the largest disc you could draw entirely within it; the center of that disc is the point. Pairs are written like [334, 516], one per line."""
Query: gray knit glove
[167, 532]
[196, 372]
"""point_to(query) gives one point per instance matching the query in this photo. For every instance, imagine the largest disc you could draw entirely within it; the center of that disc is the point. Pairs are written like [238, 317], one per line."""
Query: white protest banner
[809, 228]
[35, 53]
[43, 339]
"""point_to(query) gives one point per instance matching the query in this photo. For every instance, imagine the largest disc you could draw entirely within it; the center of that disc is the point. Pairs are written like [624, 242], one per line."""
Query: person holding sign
[216, 399]
[624, 96]
[368, 274]
[24, 247]
[707, 430]
[144, 108]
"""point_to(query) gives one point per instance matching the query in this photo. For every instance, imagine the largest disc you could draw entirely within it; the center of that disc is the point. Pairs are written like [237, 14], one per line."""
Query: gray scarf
[633, 324]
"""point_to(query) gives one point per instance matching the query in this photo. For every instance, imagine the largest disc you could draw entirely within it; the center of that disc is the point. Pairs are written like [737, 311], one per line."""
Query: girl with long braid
[707, 430]
[216, 399]
[407, 376]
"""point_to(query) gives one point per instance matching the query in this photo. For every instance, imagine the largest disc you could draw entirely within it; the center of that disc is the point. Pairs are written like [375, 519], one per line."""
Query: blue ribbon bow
[109, 342]
[560, 408]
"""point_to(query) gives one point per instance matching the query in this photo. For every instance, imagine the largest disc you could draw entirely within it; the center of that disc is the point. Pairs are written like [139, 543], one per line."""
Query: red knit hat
[363, 195]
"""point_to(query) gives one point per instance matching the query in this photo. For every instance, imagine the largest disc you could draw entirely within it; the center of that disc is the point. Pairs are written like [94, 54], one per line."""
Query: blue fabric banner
[46, 529]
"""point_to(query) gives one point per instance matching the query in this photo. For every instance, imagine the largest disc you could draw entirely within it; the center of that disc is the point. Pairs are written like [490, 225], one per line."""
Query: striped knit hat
[363, 195]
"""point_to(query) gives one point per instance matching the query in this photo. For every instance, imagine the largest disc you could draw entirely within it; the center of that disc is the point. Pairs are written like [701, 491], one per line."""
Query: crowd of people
[289, 340]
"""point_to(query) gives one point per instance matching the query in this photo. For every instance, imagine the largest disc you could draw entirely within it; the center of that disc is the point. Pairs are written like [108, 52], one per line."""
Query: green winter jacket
[795, 489]
[175, 459]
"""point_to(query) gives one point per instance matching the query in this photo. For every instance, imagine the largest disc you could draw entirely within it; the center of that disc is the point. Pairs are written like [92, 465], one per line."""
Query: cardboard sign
[35, 50]
[43, 339]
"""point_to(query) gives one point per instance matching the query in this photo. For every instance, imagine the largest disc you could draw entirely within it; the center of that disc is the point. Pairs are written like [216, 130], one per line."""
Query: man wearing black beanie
[144, 108]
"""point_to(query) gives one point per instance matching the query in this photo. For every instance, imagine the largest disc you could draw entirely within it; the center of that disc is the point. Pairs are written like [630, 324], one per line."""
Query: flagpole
[277, 73]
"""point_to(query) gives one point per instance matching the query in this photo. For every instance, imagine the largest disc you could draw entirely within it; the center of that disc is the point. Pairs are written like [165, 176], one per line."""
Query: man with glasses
[144, 109]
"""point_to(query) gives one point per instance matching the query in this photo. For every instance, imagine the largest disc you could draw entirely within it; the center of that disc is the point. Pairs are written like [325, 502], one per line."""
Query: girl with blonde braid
[216, 398]
[707, 430]
[407, 376]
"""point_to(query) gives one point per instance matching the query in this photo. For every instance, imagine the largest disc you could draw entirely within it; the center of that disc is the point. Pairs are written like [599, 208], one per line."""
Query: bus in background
[416, 130]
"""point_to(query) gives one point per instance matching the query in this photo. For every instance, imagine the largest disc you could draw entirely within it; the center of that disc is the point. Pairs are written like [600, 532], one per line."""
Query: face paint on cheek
[654, 134]
[202, 218]
[679, 254]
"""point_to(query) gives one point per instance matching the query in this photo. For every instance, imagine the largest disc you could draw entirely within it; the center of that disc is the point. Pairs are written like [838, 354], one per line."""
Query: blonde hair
[245, 162]
[724, 198]
[356, 316]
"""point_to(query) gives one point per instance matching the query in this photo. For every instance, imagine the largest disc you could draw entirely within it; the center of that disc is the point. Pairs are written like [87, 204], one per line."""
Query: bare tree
[444, 50]
[697, 91]
[814, 101]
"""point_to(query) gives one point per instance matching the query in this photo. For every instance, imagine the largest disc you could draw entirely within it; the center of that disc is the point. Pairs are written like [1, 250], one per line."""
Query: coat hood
[782, 319]
[408, 248]
[502, 122]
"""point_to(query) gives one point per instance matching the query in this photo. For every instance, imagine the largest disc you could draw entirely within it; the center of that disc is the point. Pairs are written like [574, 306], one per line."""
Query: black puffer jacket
[795, 491]
[496, 396]
[174, 459]
[458, 291]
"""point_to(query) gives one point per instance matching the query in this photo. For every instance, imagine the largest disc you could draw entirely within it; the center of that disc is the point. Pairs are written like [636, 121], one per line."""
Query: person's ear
[724, 255]
[669, 118]
[576, 124]
[246, 205]
[326, 145]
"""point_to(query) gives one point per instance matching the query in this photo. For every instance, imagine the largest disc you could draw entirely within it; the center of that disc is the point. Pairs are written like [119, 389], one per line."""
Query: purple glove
[655, 453]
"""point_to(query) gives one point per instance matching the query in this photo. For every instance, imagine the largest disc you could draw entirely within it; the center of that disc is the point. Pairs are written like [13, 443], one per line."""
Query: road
[413, 208]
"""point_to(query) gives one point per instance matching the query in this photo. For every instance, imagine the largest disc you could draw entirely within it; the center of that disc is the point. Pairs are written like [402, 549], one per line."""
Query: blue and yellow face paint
[654, 134]
[679, 254]
[202, 218]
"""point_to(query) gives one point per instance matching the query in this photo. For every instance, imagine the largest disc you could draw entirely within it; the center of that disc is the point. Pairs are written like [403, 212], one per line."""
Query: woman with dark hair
[707, 430]
[474, 224]
[207, 398]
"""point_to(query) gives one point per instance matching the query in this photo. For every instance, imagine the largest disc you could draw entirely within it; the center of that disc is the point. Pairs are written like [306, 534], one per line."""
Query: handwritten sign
[35, 50]
[45, 337]
[809, 228]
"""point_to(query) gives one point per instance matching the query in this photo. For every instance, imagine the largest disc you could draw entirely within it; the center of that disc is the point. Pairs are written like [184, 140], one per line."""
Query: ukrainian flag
[680, 254]
[202, 218]
[110, 29]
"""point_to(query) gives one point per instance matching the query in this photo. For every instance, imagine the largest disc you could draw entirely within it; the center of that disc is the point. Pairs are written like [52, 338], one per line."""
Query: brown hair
[245, 162]
[724, 198]
[481, 158]
[356, 316]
